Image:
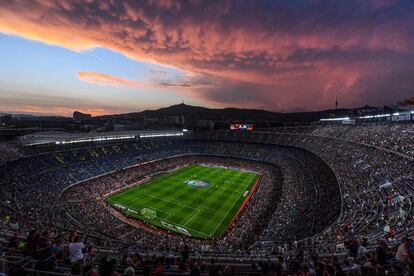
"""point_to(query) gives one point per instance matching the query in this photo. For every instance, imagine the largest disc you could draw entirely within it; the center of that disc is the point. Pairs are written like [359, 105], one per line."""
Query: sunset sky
[105, 57]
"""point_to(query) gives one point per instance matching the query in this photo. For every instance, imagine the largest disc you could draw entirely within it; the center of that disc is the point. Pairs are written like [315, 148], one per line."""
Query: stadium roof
[61, 138]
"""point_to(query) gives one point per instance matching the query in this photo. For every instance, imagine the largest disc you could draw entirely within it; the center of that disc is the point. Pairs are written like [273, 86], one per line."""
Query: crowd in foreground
[37, 251]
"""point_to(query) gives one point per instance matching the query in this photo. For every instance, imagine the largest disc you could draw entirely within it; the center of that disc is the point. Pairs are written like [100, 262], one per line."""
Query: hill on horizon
[228, 114]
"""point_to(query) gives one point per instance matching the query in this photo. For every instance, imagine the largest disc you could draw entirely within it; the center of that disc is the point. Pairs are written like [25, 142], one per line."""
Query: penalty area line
[222, 220]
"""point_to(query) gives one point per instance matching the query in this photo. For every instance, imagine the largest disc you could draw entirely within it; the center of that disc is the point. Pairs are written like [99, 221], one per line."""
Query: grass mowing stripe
[230, 214]
[194, 200]
[200, 211]
[208, 195]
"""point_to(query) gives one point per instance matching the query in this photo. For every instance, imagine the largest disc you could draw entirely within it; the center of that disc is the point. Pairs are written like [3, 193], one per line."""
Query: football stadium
[232, 197]
[206, 137]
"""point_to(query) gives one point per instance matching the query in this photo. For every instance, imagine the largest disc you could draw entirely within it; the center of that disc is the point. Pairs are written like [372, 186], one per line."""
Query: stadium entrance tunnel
[198, 184]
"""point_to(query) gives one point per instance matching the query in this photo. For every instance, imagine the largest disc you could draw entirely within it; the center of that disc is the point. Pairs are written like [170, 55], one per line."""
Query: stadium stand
[334, 200]
[9, 151]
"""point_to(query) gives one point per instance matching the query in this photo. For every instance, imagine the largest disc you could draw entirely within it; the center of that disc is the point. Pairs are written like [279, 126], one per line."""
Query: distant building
[80, 117]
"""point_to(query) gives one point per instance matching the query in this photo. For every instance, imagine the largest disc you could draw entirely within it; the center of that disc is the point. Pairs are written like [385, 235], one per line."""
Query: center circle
[198, 183]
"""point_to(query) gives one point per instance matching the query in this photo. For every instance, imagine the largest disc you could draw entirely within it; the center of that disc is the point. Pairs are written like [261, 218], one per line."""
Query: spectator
[402, 254]
[76, 248]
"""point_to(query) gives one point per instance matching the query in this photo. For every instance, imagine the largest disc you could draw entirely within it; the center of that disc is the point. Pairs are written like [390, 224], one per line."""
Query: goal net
[148, 213]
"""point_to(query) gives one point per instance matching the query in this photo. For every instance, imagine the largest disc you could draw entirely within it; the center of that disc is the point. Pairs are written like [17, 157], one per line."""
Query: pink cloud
[104, 79]
[161, 81]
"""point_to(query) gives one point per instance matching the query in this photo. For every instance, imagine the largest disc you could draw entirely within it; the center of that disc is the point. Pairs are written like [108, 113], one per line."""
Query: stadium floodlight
[95, 139]
[334, 119]
[149, 135]
[374, 116]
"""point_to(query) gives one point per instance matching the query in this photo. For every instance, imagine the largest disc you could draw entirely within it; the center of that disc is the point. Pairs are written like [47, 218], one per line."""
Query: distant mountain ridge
[193, 113]
[229, 114]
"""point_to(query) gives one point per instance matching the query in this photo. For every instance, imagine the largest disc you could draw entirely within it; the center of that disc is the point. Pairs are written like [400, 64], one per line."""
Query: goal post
[148, 213]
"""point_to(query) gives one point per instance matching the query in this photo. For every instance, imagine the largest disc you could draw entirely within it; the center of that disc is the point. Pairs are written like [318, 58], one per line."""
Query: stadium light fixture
[95, 139]
[374, 116]
[160, 135]
[334, 119]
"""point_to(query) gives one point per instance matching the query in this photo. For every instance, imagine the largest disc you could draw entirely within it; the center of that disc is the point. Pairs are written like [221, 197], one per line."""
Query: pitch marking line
[174, 202]
[197, 211]
[221, 222]
[186, 206]
[192, 217]
[135, 199]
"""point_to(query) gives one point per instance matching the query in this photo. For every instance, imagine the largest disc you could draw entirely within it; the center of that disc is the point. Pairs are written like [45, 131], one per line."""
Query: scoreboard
[241, 126]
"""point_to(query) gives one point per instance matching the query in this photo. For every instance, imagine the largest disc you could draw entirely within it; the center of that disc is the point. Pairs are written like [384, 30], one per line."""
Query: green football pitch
[198, 201]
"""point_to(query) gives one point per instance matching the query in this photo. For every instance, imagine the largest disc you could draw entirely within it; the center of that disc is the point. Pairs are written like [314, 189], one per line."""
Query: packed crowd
[310, 192]
[367, 217]
[38, 252]
[9, 152]
[397, 137]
